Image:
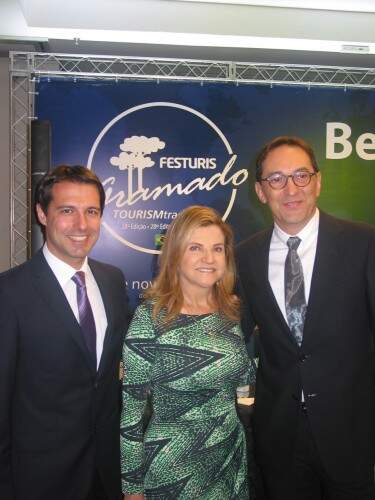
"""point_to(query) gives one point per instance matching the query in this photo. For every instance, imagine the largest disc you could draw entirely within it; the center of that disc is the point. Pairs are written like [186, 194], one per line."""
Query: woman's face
[203, 262]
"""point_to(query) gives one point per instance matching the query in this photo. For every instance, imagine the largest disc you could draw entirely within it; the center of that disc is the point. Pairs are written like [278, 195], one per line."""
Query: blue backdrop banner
[160, 147]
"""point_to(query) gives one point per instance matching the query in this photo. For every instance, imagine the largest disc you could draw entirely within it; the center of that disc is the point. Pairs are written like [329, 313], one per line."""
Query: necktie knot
[293, 242]
[79, 279]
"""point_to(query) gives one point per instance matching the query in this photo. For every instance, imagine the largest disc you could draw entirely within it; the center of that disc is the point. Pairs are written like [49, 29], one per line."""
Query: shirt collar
[63, 271]
[311, 228]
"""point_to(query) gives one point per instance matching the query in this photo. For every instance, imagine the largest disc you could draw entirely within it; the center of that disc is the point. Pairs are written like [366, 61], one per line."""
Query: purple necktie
[86, 317]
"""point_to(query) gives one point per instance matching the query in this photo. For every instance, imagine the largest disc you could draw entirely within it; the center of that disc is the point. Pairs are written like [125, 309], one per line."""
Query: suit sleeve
[122, 286]
[371, 280]
[8, 356]
[129, 312]
[138, 355]
[247, 320]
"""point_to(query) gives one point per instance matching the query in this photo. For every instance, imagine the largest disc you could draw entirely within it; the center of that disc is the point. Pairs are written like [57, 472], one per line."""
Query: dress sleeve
[138, 357]
[249, 377]
[252, 372]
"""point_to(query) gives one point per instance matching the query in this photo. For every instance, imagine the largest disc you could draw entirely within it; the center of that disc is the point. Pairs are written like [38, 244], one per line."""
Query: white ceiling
[345, 5]
[269, 31]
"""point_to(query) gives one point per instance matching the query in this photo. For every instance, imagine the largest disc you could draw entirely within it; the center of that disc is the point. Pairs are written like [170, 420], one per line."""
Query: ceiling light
[208, 40]
[338, 5]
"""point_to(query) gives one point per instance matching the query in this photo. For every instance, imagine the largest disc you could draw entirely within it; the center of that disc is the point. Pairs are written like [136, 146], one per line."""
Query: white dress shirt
[306, 252]
[64, 274]
[277, 256]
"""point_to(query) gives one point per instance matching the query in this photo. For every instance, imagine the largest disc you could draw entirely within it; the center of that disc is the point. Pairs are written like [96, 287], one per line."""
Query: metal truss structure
[21, 114]
[28, 67]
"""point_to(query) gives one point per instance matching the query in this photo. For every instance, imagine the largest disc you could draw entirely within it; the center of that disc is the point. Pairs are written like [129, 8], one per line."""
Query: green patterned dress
[193, 447]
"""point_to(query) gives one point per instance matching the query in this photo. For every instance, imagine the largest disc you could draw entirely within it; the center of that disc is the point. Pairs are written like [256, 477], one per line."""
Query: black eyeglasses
[301, 178]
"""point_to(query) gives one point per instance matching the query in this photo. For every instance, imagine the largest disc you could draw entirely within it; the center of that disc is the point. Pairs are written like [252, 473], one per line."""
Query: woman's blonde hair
[166, 293]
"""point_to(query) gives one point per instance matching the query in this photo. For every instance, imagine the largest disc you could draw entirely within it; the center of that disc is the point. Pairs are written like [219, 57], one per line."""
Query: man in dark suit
[309, 285]
[62, 322]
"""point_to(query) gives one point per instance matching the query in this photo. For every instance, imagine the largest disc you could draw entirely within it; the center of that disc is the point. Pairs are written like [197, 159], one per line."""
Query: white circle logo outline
[154, 105]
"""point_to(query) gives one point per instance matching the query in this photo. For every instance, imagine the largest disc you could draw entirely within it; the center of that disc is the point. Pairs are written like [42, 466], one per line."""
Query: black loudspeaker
[40, 165]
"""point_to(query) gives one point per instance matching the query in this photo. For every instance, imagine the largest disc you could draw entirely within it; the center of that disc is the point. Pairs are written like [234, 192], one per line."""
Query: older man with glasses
[309, 284]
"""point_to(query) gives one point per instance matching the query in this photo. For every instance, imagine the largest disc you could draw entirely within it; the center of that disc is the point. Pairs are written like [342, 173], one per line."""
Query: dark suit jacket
[59, 418]
[335, 364]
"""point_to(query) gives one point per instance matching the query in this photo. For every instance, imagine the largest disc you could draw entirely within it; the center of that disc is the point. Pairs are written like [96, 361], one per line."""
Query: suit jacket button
[96, 385]
[303, 357]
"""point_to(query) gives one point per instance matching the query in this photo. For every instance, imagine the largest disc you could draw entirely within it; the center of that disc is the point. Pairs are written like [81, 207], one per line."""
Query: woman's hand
[134, 496]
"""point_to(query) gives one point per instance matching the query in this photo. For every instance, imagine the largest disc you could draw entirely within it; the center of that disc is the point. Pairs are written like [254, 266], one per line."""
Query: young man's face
[292, 206]
[72, 221]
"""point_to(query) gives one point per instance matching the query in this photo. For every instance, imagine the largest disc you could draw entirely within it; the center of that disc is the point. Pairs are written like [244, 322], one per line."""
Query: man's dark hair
[66, 173]
[283, 140]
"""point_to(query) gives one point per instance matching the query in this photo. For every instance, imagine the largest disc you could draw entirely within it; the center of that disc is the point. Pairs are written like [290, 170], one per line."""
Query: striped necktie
[295, 302]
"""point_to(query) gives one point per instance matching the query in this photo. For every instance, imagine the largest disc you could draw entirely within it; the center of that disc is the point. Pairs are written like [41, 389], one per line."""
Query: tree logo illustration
[134, 158]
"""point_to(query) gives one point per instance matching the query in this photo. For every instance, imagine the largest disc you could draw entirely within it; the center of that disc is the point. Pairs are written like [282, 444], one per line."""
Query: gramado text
[227, 176]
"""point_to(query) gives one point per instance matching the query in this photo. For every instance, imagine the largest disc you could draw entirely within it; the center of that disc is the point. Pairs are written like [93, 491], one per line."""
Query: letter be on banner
[342, 139]
[366, 142]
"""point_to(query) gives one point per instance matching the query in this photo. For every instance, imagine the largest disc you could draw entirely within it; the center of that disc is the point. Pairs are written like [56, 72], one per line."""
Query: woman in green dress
[184, 355]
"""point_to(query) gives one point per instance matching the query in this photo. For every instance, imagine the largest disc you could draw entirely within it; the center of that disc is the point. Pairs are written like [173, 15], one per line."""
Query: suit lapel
[50, 290]
[264, 252]
[322, 278]
[104, 283]
[325, 269]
